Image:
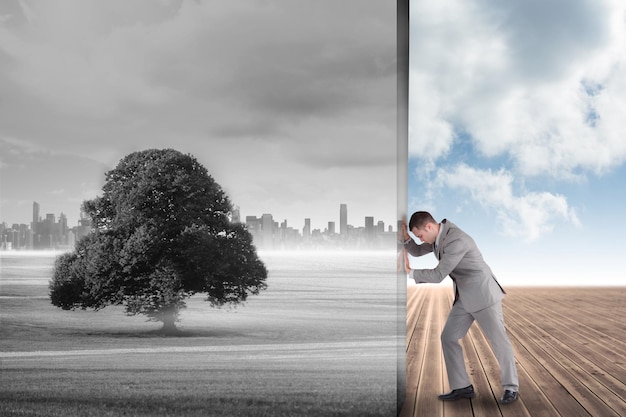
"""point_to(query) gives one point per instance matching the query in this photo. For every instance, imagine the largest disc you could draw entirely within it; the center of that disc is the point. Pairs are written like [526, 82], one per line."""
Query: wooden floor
[569, 343]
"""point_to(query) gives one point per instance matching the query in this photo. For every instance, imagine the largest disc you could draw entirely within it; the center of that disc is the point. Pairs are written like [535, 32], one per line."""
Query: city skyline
[268, 232]
[235, 208]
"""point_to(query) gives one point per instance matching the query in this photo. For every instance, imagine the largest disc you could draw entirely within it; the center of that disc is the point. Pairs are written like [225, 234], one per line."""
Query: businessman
[478, 296]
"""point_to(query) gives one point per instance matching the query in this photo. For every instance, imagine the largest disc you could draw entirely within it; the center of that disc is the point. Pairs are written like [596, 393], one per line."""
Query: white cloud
[431, 135]
[528, 215]
[539, 82]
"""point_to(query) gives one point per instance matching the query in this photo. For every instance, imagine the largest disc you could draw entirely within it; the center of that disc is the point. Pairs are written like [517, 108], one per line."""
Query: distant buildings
[269, 235]
[48, 233]
[343, 219]
[43, 233]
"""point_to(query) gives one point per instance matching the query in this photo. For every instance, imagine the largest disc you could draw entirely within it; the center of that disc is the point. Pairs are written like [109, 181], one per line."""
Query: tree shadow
[161, 334]
[214, 333]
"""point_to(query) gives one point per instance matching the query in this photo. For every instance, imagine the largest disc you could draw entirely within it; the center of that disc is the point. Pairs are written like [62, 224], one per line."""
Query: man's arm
[452, 254]
[417, 250]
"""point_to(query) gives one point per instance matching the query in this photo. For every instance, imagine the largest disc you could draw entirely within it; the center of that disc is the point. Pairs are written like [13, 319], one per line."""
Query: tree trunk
[169, 322]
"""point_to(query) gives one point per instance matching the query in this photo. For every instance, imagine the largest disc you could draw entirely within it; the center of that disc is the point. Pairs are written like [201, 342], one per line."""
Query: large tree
[161, 233]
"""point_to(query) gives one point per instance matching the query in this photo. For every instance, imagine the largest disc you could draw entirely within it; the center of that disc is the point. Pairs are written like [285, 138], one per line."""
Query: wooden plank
[544, 371]
[599, 304]
[591, 352]
[415, 304]
[532, 392]
[419, 314]
[592, 395]
[597, 320]
[431, 379]
[413, 359]
[604, 349]
[591, 308]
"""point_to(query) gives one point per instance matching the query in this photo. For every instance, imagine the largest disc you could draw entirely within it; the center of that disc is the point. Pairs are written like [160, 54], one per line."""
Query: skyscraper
[369, 228]
[35, 216]
[343, 219]
[63, 229]
[306, 231]
[267, 228]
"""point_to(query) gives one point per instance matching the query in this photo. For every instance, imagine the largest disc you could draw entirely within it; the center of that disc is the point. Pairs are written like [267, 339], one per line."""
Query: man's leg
[491, 321]
[457, 325]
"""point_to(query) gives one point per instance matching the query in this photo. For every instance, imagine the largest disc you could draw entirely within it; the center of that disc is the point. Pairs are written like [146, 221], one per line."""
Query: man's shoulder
[452, 230]
[449, 226]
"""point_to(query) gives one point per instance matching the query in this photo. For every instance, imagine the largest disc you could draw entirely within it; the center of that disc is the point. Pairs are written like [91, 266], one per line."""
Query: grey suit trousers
[491, 321]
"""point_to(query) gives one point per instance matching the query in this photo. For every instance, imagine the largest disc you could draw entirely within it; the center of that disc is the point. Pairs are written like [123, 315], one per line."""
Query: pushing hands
[403, 235]
[407, 265]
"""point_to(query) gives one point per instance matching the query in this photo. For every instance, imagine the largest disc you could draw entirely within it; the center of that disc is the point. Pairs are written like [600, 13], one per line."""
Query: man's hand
[403, 262]
[407, 264]
[403, 233]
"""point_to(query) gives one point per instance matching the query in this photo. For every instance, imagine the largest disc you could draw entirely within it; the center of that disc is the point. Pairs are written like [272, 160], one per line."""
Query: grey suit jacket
[460, 259]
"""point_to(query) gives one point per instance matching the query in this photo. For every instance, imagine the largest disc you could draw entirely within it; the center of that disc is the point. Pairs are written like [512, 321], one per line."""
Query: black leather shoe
[509, 397]
[467, 392]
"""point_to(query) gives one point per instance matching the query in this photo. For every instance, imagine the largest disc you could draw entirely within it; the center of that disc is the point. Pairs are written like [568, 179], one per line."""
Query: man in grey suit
[478, 296]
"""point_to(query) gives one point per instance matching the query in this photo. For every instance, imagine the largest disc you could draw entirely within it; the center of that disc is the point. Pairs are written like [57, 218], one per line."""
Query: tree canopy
[161, 233]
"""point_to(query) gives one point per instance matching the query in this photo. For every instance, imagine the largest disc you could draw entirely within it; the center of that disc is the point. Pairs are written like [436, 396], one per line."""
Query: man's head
[423, 225]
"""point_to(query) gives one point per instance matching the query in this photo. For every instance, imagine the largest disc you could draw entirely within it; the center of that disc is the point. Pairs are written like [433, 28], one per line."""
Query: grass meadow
[320, 341]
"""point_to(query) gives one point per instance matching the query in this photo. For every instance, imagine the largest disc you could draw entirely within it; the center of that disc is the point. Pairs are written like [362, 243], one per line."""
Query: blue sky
[516, 133]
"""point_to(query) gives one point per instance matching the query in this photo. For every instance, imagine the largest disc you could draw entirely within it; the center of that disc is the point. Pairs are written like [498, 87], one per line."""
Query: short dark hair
[420, 218]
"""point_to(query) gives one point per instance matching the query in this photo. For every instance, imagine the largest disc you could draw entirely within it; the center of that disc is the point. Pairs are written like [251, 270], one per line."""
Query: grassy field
[320, 341]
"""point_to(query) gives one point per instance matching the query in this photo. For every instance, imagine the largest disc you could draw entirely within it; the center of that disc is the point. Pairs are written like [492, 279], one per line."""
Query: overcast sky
[290, 104]
[517, 132]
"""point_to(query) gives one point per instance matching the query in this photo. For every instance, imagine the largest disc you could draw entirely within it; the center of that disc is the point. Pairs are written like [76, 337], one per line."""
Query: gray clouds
[291, 86]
